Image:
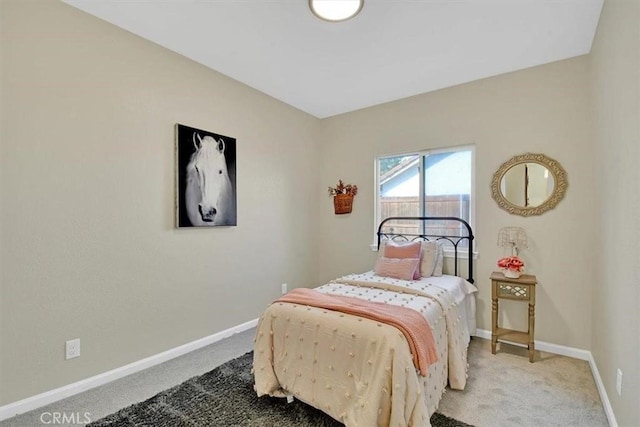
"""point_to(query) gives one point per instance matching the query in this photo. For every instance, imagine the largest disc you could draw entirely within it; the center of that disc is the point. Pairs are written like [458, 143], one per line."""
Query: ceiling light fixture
[335, 10]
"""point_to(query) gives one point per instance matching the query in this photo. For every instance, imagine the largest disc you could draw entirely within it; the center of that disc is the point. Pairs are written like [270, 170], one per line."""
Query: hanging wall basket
[343, 203]
[343, 197]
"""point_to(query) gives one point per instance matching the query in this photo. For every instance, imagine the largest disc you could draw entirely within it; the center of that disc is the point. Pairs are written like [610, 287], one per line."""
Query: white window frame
[422, 153]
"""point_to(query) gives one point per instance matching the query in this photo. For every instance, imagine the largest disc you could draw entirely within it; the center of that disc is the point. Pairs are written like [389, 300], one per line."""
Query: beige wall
[88, 248]
[615, 63]
[542, 109]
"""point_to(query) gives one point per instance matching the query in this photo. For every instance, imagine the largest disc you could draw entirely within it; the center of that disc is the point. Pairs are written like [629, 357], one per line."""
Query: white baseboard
[562, 350]
[576, 353]
[608, 410]
[37, 401]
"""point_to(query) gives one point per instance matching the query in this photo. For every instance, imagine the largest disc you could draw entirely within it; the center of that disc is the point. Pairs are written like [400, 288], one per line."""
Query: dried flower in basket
[341, 188]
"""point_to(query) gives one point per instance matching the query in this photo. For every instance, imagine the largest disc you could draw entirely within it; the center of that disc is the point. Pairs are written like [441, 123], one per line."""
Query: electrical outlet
[72, 348]
[284, 288]
[619, 382]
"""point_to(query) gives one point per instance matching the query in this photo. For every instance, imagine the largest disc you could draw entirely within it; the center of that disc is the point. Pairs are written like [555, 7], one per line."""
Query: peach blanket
[411, 323]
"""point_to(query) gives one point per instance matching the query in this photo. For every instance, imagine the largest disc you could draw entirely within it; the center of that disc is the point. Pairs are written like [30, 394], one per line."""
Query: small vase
[511, 274]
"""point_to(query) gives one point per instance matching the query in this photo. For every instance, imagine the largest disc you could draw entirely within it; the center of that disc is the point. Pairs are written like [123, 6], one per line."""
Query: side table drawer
[514, 291]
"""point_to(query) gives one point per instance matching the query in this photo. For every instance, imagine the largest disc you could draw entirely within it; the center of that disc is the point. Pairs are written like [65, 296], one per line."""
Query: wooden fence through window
[456, 205]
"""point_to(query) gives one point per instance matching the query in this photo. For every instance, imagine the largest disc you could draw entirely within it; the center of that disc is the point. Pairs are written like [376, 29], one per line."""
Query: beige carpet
[506, 390]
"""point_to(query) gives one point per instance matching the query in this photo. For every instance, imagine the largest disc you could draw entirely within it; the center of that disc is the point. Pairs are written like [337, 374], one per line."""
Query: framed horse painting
[206, 178]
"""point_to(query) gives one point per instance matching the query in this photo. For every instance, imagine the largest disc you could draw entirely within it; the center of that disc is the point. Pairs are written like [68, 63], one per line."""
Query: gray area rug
[225, 397]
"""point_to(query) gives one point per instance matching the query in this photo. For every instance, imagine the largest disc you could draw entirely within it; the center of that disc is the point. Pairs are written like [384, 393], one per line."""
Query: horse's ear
[197, 144]
[221, 145]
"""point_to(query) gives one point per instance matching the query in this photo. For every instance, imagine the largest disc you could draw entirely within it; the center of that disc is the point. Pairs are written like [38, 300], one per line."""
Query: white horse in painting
[209, 194]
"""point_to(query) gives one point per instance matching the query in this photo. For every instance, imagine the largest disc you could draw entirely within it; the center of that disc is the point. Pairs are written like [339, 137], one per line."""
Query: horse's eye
[220, 171]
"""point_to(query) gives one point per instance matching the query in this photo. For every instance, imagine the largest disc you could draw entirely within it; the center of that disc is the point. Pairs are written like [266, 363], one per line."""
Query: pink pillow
[398, 268]
[404, 250]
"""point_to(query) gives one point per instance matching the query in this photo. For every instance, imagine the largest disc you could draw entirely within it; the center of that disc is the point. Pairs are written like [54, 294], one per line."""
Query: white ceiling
[392, 50]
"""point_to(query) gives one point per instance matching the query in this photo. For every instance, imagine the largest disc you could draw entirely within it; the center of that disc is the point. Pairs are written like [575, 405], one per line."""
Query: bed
[359, 369]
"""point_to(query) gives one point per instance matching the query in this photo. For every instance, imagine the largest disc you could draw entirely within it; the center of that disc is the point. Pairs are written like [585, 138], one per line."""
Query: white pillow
[437, 270]
[428, 258]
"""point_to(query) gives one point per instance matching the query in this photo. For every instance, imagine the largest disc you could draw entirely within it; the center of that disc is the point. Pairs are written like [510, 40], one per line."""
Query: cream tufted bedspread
[359, 371]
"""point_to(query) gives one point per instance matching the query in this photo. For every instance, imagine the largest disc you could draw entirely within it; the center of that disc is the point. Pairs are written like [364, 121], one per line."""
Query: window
[428, 183]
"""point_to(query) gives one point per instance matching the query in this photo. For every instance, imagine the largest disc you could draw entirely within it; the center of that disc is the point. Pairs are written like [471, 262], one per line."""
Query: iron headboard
[466, 235]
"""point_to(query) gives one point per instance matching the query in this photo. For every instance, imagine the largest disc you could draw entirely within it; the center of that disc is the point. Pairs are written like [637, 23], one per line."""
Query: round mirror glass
[529, 184]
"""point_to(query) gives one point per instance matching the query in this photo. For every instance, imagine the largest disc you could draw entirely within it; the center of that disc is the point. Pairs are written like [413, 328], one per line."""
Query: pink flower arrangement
[511, 263]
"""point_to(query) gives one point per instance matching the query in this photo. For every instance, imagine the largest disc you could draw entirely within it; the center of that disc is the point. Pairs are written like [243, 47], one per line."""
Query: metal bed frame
[465, 235]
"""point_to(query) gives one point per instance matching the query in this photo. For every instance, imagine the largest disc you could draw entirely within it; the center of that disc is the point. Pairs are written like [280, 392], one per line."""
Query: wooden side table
[520, 289]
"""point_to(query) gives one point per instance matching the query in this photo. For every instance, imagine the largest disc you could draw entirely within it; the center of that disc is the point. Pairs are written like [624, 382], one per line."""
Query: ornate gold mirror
[529, 184]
